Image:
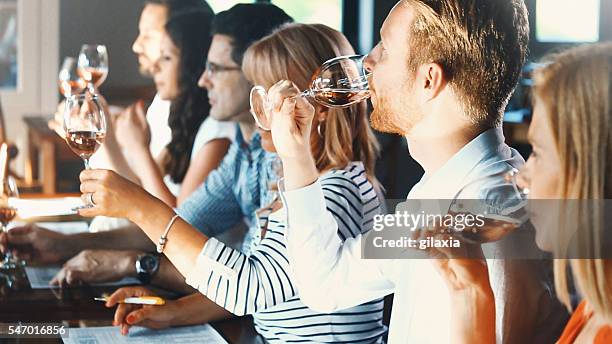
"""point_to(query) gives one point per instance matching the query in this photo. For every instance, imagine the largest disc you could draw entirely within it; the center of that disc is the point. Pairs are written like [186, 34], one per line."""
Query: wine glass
[93, 65]
[70, 82]
[499, 199]
[338, 83]
[8, 191]
[84, 125]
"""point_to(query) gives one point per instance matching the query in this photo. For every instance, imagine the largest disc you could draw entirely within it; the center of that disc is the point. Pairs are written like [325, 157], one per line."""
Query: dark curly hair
[189, 31]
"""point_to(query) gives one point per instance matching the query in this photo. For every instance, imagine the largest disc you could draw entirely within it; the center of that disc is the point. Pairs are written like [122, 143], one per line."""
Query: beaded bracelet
[161, 244]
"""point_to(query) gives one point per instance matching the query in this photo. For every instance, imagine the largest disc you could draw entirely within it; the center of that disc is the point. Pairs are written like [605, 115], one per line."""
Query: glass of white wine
[70, 83]
[93, 65]
[84, 125]
[8, 191]
[338, 83]
[499, 199]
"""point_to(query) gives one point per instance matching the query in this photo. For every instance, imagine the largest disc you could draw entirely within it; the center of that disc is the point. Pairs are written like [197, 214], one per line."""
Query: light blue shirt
[234, 191]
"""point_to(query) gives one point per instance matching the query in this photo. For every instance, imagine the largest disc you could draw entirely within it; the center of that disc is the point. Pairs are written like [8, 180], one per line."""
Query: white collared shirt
[331, 275]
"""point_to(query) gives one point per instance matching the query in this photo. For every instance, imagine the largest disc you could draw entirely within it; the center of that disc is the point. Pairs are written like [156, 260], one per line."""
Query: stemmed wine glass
[499, 198]
[84, 125]
[8, 191]
[338, 83]
[93, 65]
[70, 83]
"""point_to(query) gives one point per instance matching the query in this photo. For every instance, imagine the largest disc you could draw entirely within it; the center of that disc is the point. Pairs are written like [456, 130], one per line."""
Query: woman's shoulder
[352, 178]
[578, 321]
[353, 175]
[212, 129]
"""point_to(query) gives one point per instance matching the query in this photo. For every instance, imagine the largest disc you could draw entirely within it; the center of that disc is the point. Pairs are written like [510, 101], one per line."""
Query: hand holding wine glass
[84, 125]
[338, 83]
[93, 65]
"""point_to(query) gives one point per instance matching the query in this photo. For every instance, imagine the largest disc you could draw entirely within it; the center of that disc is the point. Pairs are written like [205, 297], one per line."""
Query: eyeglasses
[213, 68]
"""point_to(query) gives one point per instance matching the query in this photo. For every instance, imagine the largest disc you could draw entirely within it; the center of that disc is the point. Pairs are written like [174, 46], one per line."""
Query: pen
[143, 300]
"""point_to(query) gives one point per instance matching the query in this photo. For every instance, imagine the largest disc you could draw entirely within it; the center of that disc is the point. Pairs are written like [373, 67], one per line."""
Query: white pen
[143, 300]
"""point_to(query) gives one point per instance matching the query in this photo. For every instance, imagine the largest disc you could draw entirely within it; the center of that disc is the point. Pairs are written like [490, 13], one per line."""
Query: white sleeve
[330, 274]
[211, 129]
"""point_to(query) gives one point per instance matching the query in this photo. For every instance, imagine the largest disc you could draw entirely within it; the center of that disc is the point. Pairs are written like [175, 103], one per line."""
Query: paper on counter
[138, 335]
[27, 208]
[40, 277]
[68, 227]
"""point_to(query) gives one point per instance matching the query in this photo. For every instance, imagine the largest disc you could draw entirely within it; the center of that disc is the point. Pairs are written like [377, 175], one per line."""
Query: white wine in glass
[338, 83]
[84, 125]
[70, 83]
[93, 65]
[500, 201]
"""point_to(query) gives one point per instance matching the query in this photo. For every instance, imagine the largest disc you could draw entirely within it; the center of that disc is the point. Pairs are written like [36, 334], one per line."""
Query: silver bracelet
[161, 244]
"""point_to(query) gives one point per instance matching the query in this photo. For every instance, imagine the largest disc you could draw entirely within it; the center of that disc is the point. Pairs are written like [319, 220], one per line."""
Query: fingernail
[130, 319]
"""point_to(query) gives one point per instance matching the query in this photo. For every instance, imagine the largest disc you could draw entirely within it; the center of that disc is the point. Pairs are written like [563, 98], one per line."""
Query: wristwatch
[147, 266]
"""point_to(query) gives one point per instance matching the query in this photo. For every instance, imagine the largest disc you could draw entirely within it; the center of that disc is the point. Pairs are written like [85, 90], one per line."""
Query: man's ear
[433, 80]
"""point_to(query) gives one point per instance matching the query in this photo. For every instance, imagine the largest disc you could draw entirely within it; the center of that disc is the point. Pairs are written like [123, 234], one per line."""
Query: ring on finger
[90, 198]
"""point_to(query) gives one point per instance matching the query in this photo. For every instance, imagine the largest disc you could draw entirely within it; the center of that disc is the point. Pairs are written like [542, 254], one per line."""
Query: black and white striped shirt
[260, 283]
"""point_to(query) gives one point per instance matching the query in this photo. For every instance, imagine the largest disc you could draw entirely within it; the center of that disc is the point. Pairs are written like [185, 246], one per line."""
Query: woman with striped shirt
[260, 282]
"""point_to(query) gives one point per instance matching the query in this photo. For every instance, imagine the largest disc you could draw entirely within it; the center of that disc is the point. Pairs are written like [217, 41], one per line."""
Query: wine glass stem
[87, 166]
[8, 257]
[305, 94]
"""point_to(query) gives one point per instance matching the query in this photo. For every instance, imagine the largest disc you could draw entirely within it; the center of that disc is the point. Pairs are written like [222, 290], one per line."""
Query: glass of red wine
[93, 65]
[84, 125]
[338, 83]
[70, 83]
[8, 191]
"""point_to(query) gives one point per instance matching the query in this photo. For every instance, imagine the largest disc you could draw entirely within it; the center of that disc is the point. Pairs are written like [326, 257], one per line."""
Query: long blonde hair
[294, 52]
[576, 88]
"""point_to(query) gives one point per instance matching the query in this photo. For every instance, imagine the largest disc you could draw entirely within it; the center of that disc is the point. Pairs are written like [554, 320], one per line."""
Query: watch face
[148, 263]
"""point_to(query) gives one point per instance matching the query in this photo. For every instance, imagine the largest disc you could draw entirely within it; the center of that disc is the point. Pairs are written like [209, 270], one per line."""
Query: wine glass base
[9, 265]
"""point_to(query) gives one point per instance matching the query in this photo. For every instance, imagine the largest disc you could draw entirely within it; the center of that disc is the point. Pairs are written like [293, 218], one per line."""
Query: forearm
[473, 316]
[127, 238]
[170, 278]
[299, 172]
[151, 177]
[184, 242]
[198, 309]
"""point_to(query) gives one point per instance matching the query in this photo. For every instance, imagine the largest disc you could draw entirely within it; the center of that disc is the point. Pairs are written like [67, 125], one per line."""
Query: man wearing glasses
[230, 194]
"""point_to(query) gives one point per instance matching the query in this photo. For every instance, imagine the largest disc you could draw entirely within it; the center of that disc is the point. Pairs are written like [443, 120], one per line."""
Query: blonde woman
[260, 282]
[570, 169]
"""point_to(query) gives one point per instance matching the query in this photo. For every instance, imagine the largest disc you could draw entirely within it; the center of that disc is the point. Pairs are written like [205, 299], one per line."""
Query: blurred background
[36, 35]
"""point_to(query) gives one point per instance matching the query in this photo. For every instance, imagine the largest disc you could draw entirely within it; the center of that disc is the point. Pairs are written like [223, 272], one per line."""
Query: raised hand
[132, 129]
[112, 195]
[291, 120]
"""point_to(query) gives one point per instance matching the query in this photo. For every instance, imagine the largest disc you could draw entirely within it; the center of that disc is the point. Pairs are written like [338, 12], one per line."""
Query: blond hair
[481, 46]
[576, 89]
[295, 52]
